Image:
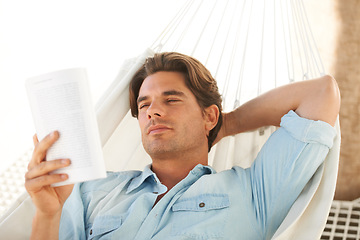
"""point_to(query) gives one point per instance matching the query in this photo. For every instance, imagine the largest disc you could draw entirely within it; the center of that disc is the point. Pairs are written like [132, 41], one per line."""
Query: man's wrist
[47, 217]
[232, 125]
[45, 226]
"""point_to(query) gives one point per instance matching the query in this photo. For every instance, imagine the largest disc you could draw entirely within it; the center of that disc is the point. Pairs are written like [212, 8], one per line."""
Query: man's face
[170, 118]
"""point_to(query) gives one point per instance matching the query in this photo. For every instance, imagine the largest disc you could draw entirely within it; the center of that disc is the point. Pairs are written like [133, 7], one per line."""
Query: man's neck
[171, 172]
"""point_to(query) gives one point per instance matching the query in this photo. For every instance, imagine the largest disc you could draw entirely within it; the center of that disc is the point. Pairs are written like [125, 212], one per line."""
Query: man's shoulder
[112, 180]
[121, 174]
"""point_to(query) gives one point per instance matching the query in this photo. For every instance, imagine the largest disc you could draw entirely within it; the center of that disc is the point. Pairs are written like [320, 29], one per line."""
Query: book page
[61, 101]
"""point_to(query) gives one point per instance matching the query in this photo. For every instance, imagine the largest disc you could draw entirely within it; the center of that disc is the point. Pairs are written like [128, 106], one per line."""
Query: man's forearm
[317, 99]
[44, 227]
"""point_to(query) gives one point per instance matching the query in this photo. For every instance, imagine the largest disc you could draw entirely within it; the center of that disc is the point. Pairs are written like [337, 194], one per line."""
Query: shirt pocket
[200, 217]
[103, 226]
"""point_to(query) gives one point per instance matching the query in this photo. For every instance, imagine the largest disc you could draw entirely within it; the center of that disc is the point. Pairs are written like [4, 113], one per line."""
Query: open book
[61, 101]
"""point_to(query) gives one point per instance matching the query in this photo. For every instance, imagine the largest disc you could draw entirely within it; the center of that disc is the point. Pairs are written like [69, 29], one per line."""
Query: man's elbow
[331, 94]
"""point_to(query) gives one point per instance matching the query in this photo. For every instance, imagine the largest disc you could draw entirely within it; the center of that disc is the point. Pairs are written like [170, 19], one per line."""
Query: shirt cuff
[308, 131]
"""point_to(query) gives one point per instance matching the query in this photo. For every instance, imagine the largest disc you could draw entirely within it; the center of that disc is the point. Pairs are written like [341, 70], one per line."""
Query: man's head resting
[198, 80]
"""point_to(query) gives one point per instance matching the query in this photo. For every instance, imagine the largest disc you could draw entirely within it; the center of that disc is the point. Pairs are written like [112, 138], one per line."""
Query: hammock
[249, 47]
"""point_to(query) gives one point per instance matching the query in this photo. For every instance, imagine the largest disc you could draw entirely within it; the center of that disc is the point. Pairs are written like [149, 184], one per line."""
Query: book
[61, 101]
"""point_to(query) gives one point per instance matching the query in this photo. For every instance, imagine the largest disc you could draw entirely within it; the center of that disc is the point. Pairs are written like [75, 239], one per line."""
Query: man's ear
[211, 115]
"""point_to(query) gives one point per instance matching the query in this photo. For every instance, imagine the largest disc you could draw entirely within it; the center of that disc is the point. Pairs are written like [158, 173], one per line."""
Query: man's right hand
[47, 200]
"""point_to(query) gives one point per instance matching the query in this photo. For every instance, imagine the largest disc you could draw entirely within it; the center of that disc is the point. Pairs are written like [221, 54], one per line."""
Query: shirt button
[201, 204]
[90, 231]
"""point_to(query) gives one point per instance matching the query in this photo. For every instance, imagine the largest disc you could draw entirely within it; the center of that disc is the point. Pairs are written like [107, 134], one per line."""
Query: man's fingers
[41, 148]
[46, 167]
[35, 184]
[35, 140]
[47, 142]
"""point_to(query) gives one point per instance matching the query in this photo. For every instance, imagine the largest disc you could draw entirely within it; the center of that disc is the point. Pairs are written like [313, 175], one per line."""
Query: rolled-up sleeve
[285, 164]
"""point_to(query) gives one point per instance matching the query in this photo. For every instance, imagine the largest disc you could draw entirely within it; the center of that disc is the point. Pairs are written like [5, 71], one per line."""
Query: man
[178, 196]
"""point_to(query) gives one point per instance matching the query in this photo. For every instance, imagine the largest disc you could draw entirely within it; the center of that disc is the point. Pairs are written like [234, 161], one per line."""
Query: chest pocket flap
[103, 225]
[203, 202]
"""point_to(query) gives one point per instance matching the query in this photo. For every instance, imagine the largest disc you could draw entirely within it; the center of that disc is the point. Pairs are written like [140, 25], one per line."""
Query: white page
[61, 101]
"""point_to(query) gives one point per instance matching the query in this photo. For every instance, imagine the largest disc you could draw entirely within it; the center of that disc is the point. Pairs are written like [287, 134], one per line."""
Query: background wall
[347, 71]
[336, 28]
[41, 36]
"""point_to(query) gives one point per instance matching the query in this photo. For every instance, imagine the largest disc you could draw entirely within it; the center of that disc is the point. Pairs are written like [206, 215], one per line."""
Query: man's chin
[160, 151]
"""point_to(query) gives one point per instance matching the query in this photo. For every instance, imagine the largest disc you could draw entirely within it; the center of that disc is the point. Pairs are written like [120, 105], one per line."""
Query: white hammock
[224, 41]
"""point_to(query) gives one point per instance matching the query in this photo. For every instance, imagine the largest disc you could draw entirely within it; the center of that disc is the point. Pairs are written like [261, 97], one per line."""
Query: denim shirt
[233, 204]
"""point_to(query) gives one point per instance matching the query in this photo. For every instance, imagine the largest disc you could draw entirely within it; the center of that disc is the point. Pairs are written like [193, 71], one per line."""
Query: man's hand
[47, 200]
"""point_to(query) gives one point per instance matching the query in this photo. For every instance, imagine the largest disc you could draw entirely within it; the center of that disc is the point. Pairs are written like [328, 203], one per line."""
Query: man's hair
[197, 78]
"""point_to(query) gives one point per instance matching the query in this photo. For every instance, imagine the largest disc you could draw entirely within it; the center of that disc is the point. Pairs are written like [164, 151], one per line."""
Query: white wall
[40, 36]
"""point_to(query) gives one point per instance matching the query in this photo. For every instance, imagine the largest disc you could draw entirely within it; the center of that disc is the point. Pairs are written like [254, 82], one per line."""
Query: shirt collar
[199, 170]
[137, 181]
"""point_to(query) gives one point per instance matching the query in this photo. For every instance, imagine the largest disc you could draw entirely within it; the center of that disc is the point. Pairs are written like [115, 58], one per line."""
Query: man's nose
[155, 110]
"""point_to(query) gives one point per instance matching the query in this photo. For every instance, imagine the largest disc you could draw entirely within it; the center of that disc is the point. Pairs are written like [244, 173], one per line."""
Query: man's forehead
[164, 83]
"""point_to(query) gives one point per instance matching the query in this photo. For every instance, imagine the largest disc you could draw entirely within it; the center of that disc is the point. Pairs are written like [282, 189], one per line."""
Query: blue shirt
[233, 204]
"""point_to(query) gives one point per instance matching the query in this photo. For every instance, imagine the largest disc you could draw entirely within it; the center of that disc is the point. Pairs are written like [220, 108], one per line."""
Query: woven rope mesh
[343, 222]
[12, 181]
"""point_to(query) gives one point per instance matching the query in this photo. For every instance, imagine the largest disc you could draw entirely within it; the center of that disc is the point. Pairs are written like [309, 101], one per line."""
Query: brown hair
[197, 78]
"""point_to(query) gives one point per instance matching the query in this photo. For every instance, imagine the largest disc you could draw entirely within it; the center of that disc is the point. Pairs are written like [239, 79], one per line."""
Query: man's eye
[143, 105]
[172, 100]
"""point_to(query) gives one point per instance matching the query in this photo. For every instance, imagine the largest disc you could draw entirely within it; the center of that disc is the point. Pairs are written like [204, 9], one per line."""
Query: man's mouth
[157, 129]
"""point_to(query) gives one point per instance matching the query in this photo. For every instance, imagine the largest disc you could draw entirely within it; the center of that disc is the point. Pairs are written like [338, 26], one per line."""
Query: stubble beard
[161, 148]
[173, 144]
[173, 147]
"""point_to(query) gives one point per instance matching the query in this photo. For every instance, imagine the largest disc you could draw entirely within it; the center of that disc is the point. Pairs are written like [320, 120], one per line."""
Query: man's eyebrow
[166, 93]
[173, 93]
[141, 98]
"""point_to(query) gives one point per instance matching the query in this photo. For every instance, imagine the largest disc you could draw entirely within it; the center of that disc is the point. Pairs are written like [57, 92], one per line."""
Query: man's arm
[47, 200]
[317, 99]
